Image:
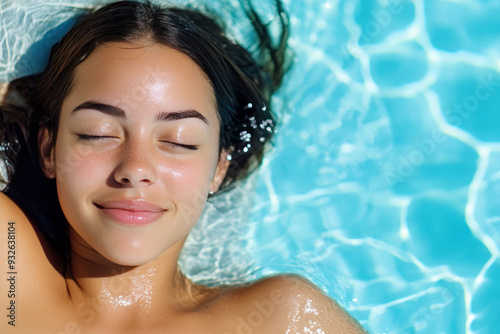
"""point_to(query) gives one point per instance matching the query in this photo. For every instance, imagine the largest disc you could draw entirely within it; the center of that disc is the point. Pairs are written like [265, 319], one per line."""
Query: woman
[141, 114]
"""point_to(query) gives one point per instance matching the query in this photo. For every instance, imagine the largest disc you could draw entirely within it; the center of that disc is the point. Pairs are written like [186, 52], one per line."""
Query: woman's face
[136, 151]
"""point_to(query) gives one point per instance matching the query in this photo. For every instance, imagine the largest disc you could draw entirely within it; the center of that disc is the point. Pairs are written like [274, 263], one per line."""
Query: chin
[131, 259]
[129, 252]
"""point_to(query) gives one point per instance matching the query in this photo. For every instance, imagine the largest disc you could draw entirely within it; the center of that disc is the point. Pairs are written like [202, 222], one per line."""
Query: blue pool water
[382, 186]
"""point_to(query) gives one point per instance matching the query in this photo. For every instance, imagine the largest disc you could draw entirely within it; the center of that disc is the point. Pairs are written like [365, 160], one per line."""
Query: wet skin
[135, 156]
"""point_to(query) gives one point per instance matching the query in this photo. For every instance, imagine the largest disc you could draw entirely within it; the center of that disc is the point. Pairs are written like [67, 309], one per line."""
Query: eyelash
[187, 147]
[90, 137]
[94, 138]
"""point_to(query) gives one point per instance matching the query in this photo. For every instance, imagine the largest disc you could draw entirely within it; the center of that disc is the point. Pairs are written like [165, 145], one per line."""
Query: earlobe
[220, 172]
[46, 153]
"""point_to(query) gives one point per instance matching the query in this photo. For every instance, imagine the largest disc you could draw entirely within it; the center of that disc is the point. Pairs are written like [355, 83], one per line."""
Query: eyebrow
[102, 107]
[161, 117]
[176, 115]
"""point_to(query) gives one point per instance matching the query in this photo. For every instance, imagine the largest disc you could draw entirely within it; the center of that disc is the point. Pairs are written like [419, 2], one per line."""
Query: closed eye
[183, 146]
[91, 137]
[86, 137]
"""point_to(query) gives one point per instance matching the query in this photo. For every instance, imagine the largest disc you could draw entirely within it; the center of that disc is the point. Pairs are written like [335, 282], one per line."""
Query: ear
[220, 172]
[46, 153]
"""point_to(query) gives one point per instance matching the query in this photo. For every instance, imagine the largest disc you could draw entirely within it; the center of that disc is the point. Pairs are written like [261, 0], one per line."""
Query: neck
[123, 292]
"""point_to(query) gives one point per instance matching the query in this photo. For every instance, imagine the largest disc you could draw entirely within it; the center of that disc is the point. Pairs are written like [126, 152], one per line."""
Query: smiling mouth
[134, 214]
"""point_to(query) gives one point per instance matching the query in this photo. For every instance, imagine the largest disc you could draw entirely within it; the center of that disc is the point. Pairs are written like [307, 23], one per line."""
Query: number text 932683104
[11, 273]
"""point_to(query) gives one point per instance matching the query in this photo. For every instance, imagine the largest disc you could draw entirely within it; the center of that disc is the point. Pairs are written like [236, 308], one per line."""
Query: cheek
[187, 183]
[72, 161]
[77, 171]
[186, 177]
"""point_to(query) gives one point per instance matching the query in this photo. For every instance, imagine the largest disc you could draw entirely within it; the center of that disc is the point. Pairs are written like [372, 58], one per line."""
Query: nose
[136, 166]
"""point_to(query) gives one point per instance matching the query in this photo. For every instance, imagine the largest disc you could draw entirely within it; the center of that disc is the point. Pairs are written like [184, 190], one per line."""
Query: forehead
[149, 76]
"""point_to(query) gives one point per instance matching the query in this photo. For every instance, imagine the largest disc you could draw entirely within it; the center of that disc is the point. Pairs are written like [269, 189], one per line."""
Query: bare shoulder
[25, 262]
[14, 223]
[17, 228]
[291, 304]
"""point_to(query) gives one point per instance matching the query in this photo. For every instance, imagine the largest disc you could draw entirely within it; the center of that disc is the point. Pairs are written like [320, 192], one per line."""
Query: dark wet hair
[242, 84]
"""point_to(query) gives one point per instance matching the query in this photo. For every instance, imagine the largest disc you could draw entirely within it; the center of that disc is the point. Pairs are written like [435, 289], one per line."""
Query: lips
[131, 212]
